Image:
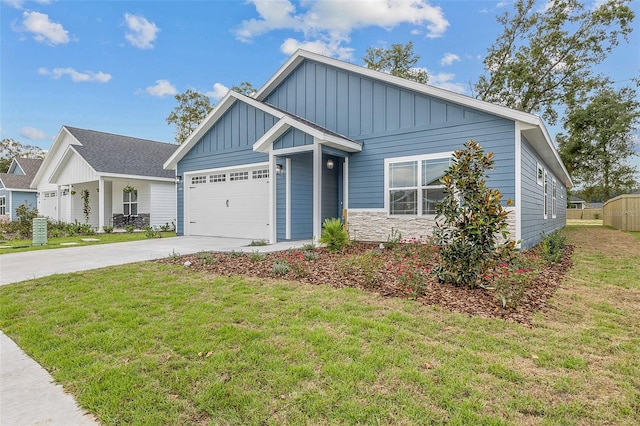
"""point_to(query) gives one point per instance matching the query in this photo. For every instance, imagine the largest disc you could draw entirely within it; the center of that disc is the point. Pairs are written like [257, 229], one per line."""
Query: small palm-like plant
[334, 235]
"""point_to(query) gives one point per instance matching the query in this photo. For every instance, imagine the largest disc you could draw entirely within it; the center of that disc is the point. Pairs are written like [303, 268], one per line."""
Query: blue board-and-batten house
[15, 187]
[323, 137]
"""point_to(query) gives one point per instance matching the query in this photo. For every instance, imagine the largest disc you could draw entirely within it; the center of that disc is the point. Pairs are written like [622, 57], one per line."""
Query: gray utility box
[39, 231]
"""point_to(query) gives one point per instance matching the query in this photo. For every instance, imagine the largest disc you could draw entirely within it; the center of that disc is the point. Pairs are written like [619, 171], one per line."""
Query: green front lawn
[149, 343]
[61, 242]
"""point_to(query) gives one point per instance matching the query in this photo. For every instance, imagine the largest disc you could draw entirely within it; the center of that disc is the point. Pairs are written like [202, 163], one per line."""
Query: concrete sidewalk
[28, 394]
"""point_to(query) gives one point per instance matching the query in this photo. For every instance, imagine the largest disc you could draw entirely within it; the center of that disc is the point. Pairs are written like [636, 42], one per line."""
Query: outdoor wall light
[330, 164]
[279, 169]
[178, 179]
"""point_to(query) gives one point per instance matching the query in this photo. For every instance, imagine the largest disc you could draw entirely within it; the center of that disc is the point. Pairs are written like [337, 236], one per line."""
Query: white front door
[228, 203]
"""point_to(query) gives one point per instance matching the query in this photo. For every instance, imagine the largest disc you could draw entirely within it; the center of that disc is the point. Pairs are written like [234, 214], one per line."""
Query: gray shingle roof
[116, 154]
[11, 181]
[29, 166]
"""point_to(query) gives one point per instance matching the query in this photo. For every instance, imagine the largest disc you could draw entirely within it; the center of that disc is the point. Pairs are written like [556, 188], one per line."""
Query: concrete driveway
[28, 393]
[22, 266]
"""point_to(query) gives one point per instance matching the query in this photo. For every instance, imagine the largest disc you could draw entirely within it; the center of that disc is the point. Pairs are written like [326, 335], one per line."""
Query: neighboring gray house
[15, 187]
[576, 203]
[124, 177]
[324, 138]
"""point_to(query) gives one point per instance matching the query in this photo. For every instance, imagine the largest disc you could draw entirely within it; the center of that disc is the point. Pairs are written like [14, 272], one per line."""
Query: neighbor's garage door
[228, 203]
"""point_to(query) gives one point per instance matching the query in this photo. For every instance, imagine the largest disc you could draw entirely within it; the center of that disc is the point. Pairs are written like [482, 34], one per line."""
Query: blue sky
[114, 66]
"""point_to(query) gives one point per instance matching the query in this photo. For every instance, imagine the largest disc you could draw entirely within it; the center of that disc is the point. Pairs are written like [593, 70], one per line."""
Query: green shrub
[366, 265]
[258, 243]
[393, 239]
[24, 223]
[129, 228]
[309, 255]
[107, 229]
[510, 280]
[281, 267]
[166, 227]
[257, 256]
[552, 247]
[470, 220]
[206, 258]
[234, 253]
[334, 235]
[308, 247]
[149, 232]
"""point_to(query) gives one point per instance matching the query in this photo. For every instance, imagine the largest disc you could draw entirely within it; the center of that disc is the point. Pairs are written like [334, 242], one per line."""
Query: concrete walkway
[28, 394]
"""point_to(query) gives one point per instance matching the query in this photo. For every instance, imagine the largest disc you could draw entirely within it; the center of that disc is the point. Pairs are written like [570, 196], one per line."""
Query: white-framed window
[554, 195]
[3, 205]
[546, 194]
[196, 180]
[219, 177]
[413, 184]
[236, 176]
[260, 174]
[50, 194]
[130, 202]
[539, 174]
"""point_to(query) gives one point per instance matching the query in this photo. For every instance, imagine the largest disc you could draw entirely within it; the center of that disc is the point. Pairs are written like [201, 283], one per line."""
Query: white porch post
[58, 203]
[100, 203]
[272, 200]
[317, 189]
[287, 170]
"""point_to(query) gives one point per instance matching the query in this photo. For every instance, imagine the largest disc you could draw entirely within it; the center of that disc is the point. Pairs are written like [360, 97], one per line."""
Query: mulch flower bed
[329, 269]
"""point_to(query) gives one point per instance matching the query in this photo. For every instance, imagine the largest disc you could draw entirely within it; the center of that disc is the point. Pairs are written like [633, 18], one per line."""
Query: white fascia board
[280, 128]
[541, 141]
[70, 152]
[264, 143]
[48, 158]
[136, 177]
[211, 119]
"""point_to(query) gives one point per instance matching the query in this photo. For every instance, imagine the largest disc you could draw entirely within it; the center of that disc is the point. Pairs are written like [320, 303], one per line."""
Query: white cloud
[162, 88]
[32, 133]
[329, 48]
[76, 76]
[449, 59]
[327, 24]
[444, 80]
[17, 4]
[218, 92]
[43, 29]
[142, 33]
[502, 4]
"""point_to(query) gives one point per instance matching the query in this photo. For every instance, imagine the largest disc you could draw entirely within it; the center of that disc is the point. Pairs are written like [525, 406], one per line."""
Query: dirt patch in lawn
[329, 269]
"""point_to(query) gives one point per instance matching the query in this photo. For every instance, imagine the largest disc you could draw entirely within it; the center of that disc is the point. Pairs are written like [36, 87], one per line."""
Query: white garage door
[232, 203]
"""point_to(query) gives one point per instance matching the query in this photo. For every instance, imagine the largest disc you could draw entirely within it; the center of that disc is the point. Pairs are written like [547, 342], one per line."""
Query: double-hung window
[414, 186]
[130, 202]
[3, 205]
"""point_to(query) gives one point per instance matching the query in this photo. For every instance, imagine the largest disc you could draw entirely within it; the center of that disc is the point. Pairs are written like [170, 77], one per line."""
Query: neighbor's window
[130, 202]
[3, 205]
[539, 174]
[414, 185]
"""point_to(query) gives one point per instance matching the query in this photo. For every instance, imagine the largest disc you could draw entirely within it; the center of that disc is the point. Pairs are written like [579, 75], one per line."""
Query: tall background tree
[599, 141]
[10, 148]
[193, 107]
[398, 60]
[545, 57]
